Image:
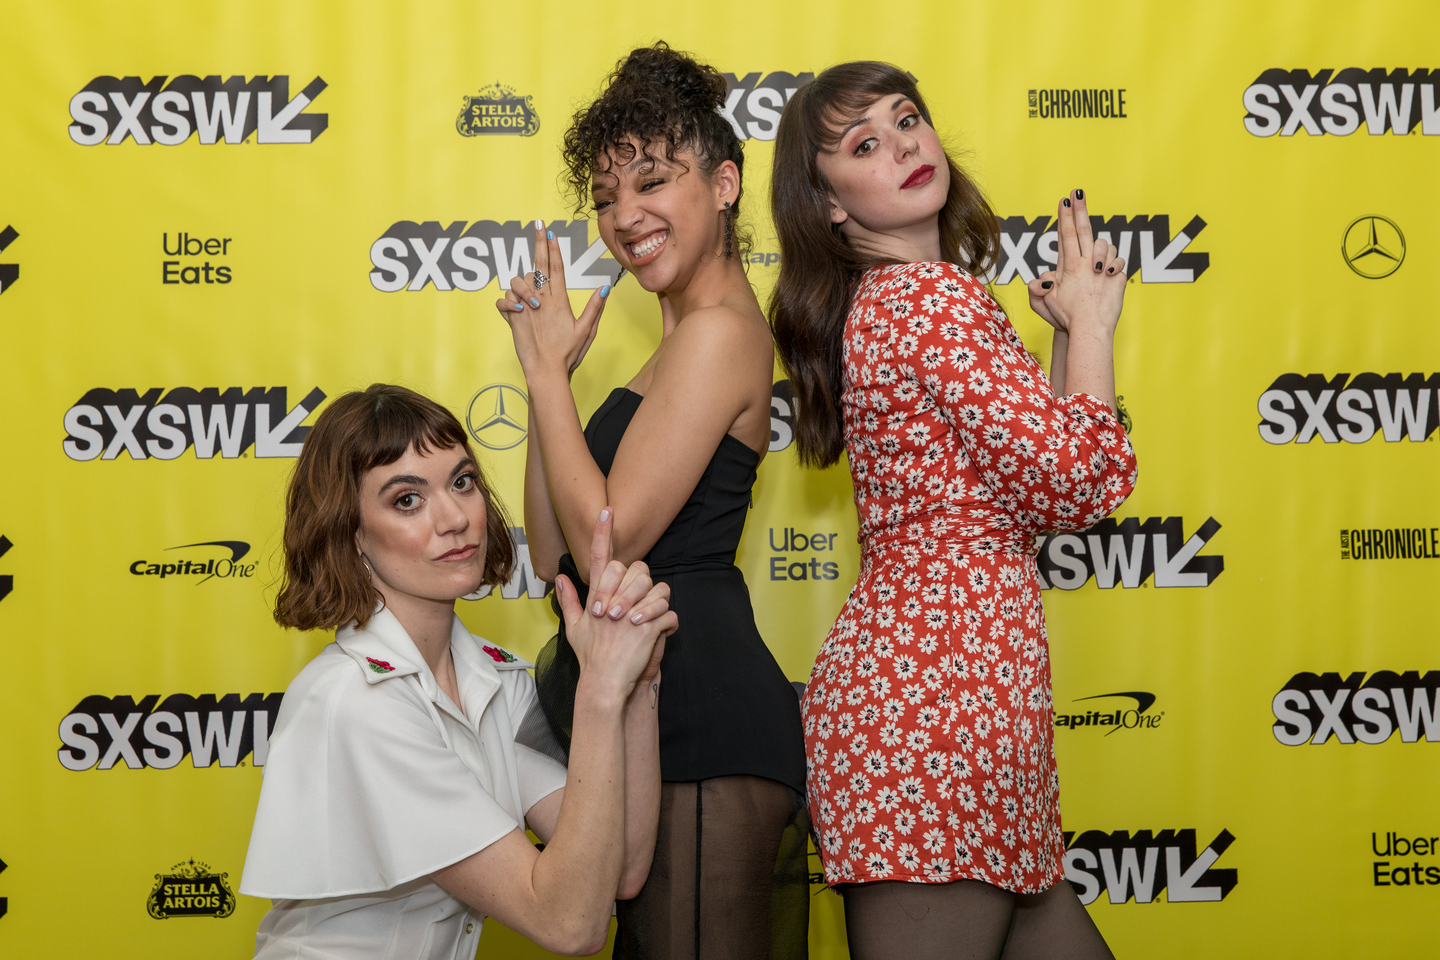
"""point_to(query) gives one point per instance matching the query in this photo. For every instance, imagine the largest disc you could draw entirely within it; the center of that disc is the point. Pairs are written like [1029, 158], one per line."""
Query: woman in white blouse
[409, 756]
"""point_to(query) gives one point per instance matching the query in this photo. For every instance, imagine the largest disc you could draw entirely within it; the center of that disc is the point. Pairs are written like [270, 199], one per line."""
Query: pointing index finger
[542, 249]
[600, 550]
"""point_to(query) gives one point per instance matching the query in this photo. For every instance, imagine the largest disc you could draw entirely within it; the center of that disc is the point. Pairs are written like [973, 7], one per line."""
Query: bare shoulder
[720, 333]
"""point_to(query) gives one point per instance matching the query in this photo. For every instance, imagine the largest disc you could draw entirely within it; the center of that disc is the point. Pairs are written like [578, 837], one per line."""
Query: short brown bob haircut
[325, 584]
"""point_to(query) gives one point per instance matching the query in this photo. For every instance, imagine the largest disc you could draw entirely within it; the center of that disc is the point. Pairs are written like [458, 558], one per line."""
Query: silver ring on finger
[540, 280]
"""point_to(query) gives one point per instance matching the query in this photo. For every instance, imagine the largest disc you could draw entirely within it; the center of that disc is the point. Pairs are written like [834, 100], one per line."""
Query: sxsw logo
[105, 423]
[9, 272]
[109, 109]
[1311, 708]
[1030, 247]
[1285, 102]
[753, 104]
[103, 732]
[410, 256]
[1301, 408]
[523, 582]
[1144, 864]
[1128, 552]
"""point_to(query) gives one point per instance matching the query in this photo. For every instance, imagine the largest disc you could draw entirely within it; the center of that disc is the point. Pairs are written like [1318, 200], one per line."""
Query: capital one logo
[110, 109]
[753, 103]
[162, 425]
[411, 256]
[1284, 102]
[1300, 409]
[1030, 247]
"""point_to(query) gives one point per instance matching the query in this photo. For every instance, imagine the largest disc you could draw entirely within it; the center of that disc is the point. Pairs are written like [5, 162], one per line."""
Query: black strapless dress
[725, 706]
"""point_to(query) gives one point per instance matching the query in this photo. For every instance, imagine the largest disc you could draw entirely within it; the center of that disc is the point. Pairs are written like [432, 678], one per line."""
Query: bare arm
[1059, 346]
[542, 528]
[561, 897]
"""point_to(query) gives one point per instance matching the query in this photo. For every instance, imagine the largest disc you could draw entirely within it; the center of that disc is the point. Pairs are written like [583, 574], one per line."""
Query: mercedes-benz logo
[1373, 247]
[498, 416]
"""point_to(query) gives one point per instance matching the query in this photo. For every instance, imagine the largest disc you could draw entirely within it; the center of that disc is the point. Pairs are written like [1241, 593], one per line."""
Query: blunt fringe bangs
[325, 584]
[818, 266]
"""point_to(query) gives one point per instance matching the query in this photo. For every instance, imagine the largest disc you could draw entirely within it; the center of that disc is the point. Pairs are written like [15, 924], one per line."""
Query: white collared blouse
[374, 781]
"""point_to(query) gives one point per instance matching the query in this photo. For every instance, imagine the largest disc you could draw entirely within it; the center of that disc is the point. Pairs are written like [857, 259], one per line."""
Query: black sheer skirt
[730, 879]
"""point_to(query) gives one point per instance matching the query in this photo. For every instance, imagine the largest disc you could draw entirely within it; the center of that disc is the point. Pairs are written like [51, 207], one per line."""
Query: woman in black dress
[674, 454]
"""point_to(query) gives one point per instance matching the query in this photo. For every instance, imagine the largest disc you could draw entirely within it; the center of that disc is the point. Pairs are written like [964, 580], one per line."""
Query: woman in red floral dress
[928, 718]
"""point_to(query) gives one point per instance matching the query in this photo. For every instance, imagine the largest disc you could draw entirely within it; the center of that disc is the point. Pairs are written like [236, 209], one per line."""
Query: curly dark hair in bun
[655, 95]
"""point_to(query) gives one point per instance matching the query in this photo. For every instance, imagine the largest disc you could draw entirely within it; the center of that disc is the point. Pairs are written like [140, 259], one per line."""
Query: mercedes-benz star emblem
[498, 416]
[1373, 247]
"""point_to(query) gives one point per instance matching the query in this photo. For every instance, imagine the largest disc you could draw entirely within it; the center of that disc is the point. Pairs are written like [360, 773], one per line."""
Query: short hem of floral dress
[931, 878]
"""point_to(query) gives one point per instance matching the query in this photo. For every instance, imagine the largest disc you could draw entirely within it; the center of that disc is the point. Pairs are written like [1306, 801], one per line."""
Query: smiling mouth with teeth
[649, 245]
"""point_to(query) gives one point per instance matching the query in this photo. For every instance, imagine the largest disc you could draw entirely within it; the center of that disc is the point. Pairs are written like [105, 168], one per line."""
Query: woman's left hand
[546, 331]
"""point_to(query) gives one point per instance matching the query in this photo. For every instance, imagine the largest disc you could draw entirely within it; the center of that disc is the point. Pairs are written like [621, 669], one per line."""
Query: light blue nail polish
[519, 306]
[535, 303]
[605, 291]
[549, 235]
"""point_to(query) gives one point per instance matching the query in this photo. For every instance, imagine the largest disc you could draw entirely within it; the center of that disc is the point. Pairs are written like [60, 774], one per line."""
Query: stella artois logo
[191, 889]
[497, 109]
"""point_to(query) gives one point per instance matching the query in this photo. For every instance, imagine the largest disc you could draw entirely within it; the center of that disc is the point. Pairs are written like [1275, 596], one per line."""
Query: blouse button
[470, 926]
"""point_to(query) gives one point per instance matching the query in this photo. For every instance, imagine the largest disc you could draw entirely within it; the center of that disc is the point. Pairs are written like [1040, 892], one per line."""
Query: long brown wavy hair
[818, 266]
[325, 583]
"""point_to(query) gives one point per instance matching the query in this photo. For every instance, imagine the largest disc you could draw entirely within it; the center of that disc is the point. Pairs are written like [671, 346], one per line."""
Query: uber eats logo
[1143, 864]
[110, 109]
[105, 423]
[102, 732]
[1127, 553]
[1312, 708]
[1300, 408]
[1029, 247]
[753, 102]
[1284, 102]
[410, 256]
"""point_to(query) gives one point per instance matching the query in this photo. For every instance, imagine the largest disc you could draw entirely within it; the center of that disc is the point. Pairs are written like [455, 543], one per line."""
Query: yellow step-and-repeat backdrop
[217, 217]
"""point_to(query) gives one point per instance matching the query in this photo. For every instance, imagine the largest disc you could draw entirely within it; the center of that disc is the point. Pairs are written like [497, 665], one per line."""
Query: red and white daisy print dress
[928, 718]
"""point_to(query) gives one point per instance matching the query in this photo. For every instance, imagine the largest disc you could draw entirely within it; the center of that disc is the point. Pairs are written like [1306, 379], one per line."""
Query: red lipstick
[923, 174]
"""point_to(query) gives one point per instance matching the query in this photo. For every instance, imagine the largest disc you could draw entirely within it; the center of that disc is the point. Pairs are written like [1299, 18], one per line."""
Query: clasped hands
[620, 638]
[548, 336]
[1086, 290]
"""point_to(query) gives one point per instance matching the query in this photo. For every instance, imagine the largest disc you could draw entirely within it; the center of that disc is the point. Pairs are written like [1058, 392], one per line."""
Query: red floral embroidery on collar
[499, 655]
[379, 666]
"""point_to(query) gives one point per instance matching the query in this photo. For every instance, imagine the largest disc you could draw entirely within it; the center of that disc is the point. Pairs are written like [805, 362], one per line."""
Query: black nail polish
[1099, 264]
[1066, 201]
[1111, 270]
[1046, 284]
[1079, 194]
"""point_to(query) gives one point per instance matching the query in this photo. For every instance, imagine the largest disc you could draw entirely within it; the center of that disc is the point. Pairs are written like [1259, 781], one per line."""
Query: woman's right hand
[620, 639]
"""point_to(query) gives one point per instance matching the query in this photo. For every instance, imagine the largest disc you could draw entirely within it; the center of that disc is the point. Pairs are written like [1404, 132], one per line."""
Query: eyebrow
[866, 119]
[410, 478]
[640, 158]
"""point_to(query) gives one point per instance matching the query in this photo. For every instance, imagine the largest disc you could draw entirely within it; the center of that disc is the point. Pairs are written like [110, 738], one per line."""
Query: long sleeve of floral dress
[929, 714]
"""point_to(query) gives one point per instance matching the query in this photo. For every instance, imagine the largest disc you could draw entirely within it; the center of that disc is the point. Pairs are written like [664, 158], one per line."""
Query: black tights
[968, 920]
[729, 881]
